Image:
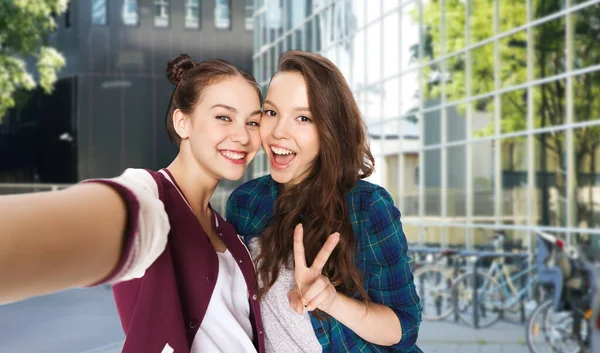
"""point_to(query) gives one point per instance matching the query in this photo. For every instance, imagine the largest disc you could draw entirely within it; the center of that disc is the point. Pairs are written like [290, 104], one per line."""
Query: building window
[274, 15]
[161, 13]
[129, 12]
[222, 14]
[249, 23]
[192, 14]
[416, 176]
[99, 12]
[68, 16]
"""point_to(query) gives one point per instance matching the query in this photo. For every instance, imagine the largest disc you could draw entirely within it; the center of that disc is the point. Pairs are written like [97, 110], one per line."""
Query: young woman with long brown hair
[329, 247]
[183, 281]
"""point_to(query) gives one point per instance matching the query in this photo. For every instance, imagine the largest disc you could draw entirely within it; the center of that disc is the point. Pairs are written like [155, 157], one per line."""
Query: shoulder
[250, 206]
[366, 197]
[250, 194]
[364, 187]
[148, 224]
[140, 183]
[373, 212]
[256, 186]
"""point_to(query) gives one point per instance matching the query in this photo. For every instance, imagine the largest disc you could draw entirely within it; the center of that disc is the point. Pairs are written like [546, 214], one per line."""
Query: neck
[195, 183]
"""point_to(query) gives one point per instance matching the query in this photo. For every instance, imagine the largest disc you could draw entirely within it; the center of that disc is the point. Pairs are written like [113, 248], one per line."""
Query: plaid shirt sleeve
[241, 213]
[235, 214]
[391, 279]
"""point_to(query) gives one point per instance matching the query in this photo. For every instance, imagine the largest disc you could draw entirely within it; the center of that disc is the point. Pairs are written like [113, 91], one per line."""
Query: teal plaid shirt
[380, 256]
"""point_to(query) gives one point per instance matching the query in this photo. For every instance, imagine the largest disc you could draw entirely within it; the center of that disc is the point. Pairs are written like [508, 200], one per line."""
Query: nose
[280, 129]
[240, 135]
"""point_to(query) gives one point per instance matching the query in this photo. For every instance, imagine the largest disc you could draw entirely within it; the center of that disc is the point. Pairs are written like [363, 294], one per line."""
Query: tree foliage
[24, 29]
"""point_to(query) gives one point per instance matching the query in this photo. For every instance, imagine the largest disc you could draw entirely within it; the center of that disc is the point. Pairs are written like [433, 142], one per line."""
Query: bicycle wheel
[551, 331]
[433, 284]
[489, 295]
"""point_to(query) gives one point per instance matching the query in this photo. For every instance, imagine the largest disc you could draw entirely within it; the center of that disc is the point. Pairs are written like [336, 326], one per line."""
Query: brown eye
[304, 119]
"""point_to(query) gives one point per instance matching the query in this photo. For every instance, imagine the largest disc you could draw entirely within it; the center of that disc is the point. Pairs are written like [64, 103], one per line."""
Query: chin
[279, 177]
[232, 176]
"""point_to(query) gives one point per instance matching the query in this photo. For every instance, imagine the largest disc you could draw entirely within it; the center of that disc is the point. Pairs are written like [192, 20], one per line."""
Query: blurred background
[483, 116]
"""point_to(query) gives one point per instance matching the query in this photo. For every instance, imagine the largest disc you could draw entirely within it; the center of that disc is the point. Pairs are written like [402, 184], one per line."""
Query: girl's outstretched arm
[57, 240]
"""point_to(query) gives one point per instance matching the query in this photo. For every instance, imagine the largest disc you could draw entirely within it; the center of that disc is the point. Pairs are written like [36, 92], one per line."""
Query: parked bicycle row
[552, 288]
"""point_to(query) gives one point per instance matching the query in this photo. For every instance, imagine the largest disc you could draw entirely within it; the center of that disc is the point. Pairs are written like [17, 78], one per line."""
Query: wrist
[333, 307]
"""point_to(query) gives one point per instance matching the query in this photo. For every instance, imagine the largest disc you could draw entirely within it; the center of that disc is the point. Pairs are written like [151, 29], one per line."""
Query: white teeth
[233, 155]
[281, 151]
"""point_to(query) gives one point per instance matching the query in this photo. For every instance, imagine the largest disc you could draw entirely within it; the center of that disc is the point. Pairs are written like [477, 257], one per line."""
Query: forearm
[378, 324]
[57, 240]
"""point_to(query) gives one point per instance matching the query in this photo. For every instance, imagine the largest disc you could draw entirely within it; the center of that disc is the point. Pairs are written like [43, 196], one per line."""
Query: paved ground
[75, 321]
[447, 337]
[85, 321]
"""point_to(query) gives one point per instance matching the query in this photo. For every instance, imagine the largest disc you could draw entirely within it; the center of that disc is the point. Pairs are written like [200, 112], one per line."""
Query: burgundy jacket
[167, 304]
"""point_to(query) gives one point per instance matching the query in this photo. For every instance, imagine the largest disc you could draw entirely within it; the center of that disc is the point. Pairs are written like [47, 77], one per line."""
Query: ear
[181, 124]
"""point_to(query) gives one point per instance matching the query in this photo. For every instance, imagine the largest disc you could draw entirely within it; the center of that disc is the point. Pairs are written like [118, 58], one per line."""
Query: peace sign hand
[312, 289]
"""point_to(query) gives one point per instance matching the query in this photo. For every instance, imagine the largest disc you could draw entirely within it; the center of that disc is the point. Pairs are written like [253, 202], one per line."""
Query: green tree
[447, 35]
[25, 26]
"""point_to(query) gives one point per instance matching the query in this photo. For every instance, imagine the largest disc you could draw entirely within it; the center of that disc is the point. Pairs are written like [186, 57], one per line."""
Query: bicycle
[496, 287]
[434, 282]
[561, 324]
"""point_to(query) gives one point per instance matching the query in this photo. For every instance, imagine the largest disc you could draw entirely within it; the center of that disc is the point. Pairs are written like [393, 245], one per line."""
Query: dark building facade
[108, 109]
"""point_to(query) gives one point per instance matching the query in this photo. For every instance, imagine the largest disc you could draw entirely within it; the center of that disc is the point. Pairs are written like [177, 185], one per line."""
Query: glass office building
[482, 114]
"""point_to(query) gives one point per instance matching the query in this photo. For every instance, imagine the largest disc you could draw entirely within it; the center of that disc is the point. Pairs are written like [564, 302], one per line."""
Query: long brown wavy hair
[319, 201]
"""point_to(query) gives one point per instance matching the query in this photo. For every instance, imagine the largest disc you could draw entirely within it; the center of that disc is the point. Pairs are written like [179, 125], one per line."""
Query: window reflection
[433, 182]
[482, 172]
[129, 12]
[192, 14]
[457, 183]
[161, 13]
[410, 187]
[514, 180]
[587, 164]
[249, 21]
[222, 14]
[550, 48]
[274, 16]
[549, 104]
[99, 12]
[551, 179]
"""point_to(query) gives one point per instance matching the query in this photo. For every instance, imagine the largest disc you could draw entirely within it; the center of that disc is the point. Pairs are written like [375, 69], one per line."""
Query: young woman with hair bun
[182, 279]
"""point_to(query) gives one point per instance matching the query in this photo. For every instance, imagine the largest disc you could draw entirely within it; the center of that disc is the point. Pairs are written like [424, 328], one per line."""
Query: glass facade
[482, 114]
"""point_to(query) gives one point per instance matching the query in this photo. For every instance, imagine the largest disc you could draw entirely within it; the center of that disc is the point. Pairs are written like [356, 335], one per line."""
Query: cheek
[209, 134]
[255, 139]
[265, 129]
[312, 141]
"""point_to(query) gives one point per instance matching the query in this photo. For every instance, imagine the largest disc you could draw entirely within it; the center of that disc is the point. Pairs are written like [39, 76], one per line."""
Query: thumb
[295, 301]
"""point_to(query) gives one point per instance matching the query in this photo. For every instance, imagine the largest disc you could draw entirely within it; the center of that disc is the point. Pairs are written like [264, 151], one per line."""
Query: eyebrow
[233, 110]
[299, 109]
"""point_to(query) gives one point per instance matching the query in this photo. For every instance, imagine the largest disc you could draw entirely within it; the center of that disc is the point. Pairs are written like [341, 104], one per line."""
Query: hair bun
[178, 66]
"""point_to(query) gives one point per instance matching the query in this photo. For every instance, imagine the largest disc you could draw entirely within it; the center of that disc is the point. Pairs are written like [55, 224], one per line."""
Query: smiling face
[222, 132]
[289, 136]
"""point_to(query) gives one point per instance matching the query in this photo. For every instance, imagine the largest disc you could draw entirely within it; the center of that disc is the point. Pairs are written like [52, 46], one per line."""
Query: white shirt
[226, 325]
